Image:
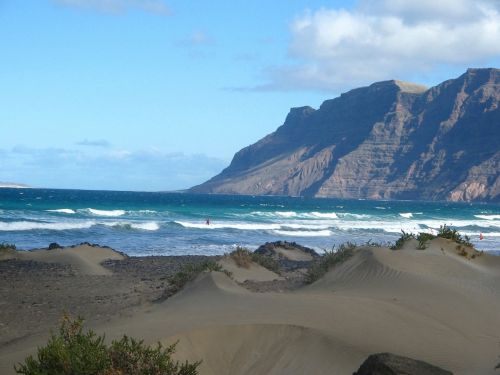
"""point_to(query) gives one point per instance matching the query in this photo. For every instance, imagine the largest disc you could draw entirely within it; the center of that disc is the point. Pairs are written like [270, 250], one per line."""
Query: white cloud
[338, 48]
[119, 6]
[196, 38]
[106, 168]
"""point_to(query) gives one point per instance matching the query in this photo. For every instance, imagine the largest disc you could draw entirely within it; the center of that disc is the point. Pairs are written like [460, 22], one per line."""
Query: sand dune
[85, 259]
[254, 272]
[432, 304]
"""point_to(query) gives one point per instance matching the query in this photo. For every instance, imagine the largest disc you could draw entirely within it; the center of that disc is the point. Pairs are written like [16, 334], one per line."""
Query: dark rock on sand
[392, 364]
[54, 245]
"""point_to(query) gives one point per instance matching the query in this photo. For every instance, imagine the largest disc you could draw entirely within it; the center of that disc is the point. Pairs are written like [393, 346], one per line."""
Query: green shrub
[7, 251]
[422, 239]
[4, 246]
[330, 258]
[74, 352]
[402, 240]
[189, 272]
[266, 262]
[452, 234]
[242, 257]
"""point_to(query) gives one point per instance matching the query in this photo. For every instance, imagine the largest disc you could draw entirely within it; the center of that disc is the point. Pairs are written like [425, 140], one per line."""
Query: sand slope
[84, 259]
[433, 305]
[254, 272]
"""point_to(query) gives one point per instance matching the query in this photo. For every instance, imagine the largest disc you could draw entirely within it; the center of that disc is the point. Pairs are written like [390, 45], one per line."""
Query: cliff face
[390, 140]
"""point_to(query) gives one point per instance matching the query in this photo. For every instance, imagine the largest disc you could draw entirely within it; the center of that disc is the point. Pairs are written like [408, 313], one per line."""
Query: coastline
[263, 321]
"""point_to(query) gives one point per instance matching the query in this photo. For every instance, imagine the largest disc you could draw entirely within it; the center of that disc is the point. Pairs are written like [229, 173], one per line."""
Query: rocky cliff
[390, 140]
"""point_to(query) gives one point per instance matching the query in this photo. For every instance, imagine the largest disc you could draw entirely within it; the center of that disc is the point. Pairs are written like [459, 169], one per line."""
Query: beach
[439, 305]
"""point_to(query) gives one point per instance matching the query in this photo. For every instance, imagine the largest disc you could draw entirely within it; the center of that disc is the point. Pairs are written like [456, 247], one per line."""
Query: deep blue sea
[141, 223]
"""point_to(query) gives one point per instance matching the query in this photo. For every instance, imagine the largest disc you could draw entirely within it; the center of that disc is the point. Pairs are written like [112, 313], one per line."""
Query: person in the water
[208, 221]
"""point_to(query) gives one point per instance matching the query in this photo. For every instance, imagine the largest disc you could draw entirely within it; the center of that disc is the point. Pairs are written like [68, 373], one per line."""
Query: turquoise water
[140, 223]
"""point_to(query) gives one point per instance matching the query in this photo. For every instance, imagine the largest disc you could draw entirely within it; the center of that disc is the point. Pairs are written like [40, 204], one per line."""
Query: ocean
[144, 223]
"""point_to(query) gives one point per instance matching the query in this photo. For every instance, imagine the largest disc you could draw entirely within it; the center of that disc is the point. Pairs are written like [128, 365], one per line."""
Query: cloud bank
[106, 168]
[338, 48]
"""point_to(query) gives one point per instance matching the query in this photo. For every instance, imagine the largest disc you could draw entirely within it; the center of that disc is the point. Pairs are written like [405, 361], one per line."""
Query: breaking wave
[32, 225]
[488, 217]
[109, 213]
[63, 211]
[297, 233]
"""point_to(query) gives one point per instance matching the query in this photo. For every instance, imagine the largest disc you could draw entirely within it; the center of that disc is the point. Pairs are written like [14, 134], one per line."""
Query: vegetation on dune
[452, 234]
[402, 240]
[330, 258]
[188, 273]
[7, 250]
[4, 246]
[422, 238]
[244, 257]
[75, 352]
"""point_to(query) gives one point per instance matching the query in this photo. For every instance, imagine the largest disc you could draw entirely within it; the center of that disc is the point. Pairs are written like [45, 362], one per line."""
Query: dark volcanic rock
[54, 245]
[391, 364]
[390, 140]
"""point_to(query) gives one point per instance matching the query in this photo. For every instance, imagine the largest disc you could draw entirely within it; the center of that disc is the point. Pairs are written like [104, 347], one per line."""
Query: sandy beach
[434, 305]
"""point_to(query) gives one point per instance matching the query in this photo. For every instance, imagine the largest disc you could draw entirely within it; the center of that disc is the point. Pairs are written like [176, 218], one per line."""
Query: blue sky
[159, 95]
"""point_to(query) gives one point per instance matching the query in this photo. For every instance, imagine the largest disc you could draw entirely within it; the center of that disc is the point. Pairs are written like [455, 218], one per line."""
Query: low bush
[330, 258]
[452, 234]
[189, 272]
[75, 352]
[4, 246]
[402, 240]
[242, 257]
[422, 239]
[266, 262]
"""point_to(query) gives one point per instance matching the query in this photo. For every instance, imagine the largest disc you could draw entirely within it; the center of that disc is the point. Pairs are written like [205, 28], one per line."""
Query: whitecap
[324, 215]
[63, 211]
[286, 213]
[318, 233]
[406, 215]
[242, 226]
[94, 211]
[149, 226]
[33, 225]
[488, 217]
[356, 216]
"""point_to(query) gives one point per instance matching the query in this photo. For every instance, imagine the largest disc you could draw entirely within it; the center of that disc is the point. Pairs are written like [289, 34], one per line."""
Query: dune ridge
[433, 305]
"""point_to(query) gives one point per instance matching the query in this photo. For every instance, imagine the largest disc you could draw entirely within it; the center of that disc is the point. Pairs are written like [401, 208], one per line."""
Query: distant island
[390, 140]
[13, 185]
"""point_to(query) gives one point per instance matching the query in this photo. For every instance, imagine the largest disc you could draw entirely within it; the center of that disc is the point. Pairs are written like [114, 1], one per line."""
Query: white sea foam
[110, 213]
[406, 215]
[32, 225]
[488, 217]
[297, 233]
[229, 225]
[150, 226]
[63, 211]
[305, 225]
[346, 215]
[323, 215]
[485, 234]
[286, 213]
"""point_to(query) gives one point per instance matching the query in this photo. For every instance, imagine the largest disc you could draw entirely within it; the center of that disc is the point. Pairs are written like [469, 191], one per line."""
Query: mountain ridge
[388, 140]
